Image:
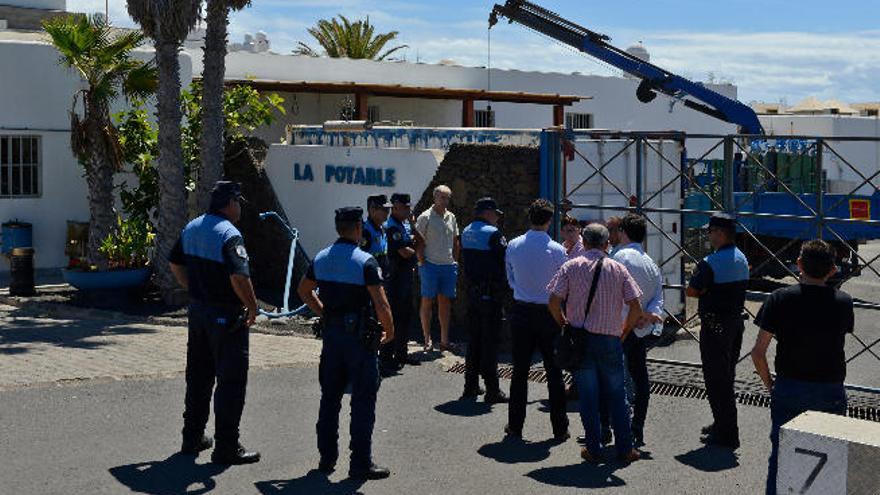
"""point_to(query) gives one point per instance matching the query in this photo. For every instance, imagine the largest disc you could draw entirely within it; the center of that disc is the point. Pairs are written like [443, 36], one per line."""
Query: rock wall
[510, 174]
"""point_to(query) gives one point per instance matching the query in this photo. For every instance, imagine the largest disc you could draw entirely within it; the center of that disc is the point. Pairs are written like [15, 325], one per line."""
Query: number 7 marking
[823, 458]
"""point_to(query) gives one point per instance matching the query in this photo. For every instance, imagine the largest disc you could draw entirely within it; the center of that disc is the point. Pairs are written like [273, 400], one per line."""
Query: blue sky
[771, 49]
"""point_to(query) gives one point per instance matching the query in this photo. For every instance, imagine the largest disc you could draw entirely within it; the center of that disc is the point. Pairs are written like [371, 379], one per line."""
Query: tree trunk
[172, 185]
[212, 102]
[99, 177]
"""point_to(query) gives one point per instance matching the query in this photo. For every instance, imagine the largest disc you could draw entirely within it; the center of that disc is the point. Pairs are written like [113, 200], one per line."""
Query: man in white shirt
[630, 253]
[438, 263]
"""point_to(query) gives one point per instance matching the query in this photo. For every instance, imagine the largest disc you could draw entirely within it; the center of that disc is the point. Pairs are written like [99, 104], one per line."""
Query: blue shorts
[438, 279]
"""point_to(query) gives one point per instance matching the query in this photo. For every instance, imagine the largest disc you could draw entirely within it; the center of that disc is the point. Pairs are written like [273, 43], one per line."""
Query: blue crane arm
[654, 79]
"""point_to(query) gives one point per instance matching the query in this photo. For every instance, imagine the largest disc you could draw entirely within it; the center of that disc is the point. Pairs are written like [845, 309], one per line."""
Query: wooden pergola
[363, 91]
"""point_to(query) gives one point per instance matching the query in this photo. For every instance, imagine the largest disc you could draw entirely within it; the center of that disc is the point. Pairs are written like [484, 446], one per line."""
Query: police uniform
[399, 283]
[483, 249]
[724, 276]
[342, 273]
[375, 240]
[212, 249]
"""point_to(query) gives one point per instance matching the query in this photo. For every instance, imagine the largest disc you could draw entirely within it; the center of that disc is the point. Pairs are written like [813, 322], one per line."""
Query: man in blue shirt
[375, 240]
[399, 281]
[349, 282]
[531, 262]
[483, 247]
[720, 282]
[210, 260]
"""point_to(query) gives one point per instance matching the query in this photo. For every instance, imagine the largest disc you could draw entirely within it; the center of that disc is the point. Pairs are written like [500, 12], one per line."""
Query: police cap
[378, 201]
[402, 198]
[349, 214]
[487, 203]
[722, 220]
[223, 191]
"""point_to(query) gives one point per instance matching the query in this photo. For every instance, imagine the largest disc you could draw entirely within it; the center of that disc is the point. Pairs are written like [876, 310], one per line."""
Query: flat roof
[401, 91]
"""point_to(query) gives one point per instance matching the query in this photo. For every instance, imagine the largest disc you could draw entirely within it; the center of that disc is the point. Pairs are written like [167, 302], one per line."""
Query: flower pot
[130, 278]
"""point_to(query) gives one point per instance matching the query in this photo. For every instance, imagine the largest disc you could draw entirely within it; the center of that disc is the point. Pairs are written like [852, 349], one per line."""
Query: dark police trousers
[400, 297]
[484, 330]
[346, 360]
[532, 327]
[720, 345]
[215, 350]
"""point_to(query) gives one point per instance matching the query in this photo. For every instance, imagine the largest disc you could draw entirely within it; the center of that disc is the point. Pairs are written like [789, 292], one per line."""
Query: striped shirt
[576, 250]
[615, 288]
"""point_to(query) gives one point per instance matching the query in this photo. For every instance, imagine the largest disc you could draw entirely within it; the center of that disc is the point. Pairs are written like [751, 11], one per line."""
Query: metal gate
[783, 190]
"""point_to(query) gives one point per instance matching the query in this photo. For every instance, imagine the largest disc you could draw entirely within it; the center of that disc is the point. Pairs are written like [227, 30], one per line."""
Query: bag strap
[598, 272]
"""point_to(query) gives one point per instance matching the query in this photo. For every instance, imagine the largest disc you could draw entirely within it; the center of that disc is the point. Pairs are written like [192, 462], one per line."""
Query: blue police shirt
[399, 236]
[375, 242]
[724, 274]
[343, 272]
[211, 249]
[483, 248]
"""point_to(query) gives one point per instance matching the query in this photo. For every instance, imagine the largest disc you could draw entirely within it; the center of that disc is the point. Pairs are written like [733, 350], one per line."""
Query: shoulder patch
[396, 235]
[241, 251]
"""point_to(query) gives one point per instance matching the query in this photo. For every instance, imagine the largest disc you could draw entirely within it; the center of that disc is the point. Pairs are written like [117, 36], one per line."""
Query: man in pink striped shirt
[602, 371]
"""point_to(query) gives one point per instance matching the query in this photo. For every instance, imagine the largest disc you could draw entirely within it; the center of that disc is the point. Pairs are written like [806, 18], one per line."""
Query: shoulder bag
[570, 348]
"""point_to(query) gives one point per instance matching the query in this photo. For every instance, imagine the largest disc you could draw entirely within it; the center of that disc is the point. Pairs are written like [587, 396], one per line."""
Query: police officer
[483, 249]
[374, 240]
[720, 282]
[210, 260]
[399, 282]
[349, 283]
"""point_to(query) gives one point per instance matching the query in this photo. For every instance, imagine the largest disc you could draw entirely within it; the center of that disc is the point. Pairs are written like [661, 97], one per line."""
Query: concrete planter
[132, 278]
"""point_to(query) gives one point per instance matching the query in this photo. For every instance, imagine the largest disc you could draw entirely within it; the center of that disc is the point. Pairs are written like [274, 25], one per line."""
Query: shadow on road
[514, 451]
[581, 475]
[176, 474]
[709, 459]
[314, 482]
[466, 408]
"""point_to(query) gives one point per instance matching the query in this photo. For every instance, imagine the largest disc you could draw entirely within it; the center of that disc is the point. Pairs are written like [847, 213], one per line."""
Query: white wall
[38, 4]
[35, 99]
[310, 204]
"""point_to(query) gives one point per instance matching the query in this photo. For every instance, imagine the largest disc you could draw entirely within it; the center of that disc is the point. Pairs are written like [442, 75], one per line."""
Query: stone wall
[510, 174]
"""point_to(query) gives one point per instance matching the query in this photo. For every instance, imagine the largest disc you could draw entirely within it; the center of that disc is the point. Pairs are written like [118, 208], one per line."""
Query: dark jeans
[484, 329]
[215, 352]
[346, 360]
[601, 376]
[789, 399]
[636, 353]
[400, 297]
[720, 345]
[532, 327]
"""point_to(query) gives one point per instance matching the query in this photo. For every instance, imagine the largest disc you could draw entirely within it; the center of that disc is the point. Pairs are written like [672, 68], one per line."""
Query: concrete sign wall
[311, 182]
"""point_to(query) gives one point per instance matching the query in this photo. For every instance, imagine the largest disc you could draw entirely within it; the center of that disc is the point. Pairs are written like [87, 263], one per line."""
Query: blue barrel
[16, 234]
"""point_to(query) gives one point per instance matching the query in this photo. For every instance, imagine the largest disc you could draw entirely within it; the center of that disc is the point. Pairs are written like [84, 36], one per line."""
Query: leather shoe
[708, 429]
[327, 467]
[373, 472]
[631, 456]
[496, 397]
[193, 447]
[510, 432]
[587, 456]
[472, 394]
[561, 437]
[729, 443]
[235, 456]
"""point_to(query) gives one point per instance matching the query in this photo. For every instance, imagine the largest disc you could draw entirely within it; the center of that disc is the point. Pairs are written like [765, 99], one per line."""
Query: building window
[19, 166]
[484, 118]
[579, 120]
[373, 113]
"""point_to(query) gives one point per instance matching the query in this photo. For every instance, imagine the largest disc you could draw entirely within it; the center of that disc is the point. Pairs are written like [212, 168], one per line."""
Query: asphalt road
[121, 437]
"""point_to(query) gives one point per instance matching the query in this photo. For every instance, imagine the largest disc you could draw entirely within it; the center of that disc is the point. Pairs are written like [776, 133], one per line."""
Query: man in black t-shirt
[810, 322]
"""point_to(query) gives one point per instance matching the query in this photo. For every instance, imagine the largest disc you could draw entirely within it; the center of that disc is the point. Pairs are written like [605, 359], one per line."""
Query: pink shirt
[576, 250]
[615, 288]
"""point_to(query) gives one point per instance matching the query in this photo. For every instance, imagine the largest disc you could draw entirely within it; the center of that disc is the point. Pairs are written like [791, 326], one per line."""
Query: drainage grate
[862, 406]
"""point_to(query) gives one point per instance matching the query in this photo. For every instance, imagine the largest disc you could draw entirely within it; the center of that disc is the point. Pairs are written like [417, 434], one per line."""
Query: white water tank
[640, 52]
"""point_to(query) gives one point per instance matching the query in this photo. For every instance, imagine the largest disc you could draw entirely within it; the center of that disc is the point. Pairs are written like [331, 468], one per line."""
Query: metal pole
[728, 181]
[820, 190]
[640, 162]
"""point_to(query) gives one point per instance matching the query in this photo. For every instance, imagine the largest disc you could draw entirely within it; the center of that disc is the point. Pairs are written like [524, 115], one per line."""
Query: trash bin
[16, 234]
[21, 272]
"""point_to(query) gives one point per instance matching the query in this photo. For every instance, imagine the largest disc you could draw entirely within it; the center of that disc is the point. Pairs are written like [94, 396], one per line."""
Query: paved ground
[94, 407]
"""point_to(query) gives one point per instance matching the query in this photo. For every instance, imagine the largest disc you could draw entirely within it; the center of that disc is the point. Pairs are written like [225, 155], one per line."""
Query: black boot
[234, 456]
[194, 446]
[496, 397]
[373, 472]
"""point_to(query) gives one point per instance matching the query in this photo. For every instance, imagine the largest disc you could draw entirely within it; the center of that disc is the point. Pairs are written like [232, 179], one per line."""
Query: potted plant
[127, 250]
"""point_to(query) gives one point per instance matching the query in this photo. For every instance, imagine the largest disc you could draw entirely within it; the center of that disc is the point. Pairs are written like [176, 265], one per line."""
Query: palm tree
[349, 39]
[212, 154]
[168, 22]
[103, 61]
